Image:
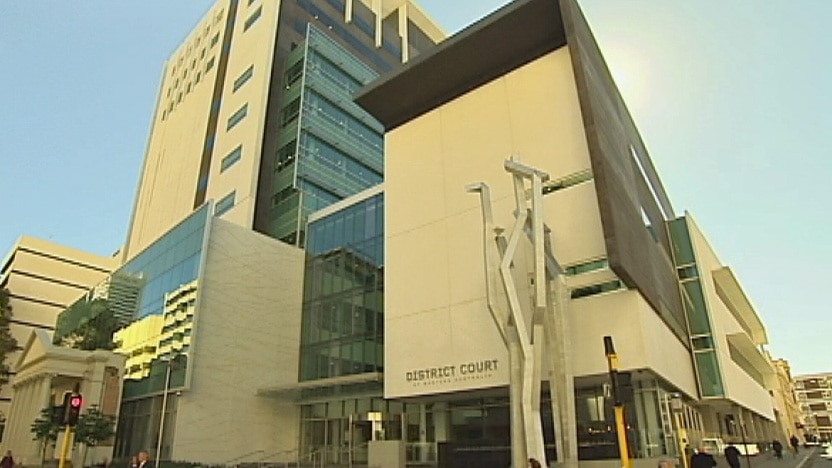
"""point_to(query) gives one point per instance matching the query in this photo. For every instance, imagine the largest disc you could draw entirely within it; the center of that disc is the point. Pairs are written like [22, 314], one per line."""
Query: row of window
[179, 94]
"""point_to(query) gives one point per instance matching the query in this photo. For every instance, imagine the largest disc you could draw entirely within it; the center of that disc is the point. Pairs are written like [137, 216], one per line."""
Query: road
[806, 458]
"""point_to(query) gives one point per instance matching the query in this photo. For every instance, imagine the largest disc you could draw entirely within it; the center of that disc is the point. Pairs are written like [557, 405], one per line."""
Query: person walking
[795, 443]
[778, 449]
[702, 459]
[534, 463]
[732, 455]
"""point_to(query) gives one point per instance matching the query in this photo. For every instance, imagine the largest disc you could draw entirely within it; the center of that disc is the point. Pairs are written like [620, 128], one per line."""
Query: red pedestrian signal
[73, 409]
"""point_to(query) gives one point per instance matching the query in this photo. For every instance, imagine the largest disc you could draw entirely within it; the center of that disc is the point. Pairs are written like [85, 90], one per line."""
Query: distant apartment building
[43, 279]
[814, 395]
[789, 414]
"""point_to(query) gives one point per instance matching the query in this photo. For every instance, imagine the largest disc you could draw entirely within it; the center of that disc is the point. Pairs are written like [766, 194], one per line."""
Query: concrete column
[423, 433]
[378, 11]
[403, 33]
[348, 11]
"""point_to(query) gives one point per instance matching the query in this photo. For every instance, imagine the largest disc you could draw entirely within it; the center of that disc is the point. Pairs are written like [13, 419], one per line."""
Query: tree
[45, 429]
[7, 341]
[93, 428]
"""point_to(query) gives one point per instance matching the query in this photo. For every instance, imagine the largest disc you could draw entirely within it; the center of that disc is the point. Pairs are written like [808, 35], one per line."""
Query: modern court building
[546, 97]
[378, 329]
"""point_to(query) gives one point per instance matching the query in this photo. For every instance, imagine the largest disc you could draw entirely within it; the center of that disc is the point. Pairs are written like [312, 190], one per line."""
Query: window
[286, 154]
[293, 74]
[225, 204]
[587, 267]
[253, 18]
[231, 158]
[290, 112]
[215, 39]
[237, 117]
[595, 289]
[242, 79]
[209, 65]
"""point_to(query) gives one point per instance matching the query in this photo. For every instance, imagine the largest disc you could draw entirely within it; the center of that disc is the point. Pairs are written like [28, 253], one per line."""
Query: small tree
[93, 428]
[45, 429]
[7, 341]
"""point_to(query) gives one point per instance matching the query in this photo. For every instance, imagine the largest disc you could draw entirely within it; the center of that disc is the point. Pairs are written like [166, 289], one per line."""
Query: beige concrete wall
[435, 313]
[177, 132]
[251, 47]
[246, 336]
[739, 386]
[642, 340]
[44, 278]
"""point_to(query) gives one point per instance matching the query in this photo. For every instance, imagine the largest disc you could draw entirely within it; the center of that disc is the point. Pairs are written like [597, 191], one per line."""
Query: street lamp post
[162, 416]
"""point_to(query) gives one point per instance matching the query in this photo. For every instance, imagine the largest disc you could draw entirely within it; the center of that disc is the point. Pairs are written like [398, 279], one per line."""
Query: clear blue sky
[732, 99]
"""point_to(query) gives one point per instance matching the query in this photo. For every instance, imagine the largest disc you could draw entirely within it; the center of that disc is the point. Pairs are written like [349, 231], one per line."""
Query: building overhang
[512, 36]
[743, 344]
[730, 291]
[294, 391]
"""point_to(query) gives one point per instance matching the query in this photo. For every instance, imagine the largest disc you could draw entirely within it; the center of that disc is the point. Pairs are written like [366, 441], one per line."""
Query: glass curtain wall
[169, 269]
[651, 430]
[709, 374]
[329, 148]
[343, 307]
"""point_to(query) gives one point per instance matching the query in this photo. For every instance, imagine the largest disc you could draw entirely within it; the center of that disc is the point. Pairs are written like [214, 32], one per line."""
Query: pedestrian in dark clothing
[795, 443]
[7, 461]
[702, 459]
[732, 455]
[778, 449]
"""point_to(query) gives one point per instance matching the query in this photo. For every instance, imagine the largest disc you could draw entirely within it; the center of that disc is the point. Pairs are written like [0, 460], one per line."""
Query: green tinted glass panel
[696, 309]
[688, 272]
[682, 248]
[709, 378]
[702, 342]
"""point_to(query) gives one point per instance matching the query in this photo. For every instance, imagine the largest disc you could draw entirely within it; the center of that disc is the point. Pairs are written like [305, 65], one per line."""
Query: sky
[731, 98]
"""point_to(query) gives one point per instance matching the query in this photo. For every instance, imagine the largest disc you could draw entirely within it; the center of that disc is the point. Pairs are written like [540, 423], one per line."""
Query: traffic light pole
[620, 427]
[68, 434]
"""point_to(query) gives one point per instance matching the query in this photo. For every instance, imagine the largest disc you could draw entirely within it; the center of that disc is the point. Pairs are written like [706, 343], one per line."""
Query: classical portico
[44, 373]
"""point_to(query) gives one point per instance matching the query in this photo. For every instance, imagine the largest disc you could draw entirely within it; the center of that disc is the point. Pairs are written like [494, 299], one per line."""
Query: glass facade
[708, 372]
[170, 269]
[329, 148]
[475, 431]
[651, 431]
[343, 305]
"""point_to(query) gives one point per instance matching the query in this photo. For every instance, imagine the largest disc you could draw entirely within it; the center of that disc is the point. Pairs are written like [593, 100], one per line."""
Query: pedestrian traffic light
[72, 408]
